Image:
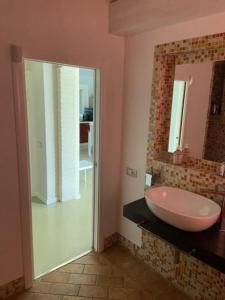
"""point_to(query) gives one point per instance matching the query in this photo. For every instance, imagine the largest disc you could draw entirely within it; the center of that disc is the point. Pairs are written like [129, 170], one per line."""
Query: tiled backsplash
[167, 56]
[188, 178]
[190, 275]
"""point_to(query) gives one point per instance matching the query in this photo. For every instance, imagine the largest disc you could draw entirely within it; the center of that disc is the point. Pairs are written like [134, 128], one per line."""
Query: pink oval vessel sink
[182, 209]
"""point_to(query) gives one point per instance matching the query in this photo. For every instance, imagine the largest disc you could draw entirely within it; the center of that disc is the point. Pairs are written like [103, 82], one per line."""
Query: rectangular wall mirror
[198, 110]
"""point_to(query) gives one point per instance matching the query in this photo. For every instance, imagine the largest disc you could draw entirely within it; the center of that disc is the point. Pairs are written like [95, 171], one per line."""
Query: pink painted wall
[138, 83]
[197, 104]
[72, 32]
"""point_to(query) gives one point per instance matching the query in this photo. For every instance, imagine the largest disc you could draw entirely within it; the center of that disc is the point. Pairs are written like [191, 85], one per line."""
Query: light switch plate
[132, 172]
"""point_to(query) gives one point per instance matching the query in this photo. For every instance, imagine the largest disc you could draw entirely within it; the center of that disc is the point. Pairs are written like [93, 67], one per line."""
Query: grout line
[83, 269]
[78, 286]
[78, 291]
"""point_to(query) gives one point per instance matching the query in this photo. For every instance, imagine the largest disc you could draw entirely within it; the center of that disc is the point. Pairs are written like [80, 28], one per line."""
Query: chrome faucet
[220, 191]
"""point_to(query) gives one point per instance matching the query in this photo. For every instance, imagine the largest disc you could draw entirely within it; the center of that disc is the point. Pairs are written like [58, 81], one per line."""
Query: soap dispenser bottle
[178, 156]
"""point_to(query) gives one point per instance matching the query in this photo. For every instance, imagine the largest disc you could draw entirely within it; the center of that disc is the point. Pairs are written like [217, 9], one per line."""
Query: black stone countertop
[208, 245]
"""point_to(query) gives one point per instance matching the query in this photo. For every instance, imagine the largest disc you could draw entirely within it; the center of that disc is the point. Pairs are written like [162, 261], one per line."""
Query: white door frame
[21, 124]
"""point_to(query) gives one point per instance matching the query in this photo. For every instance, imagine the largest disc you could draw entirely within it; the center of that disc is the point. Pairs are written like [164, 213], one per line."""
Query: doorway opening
[63, 122]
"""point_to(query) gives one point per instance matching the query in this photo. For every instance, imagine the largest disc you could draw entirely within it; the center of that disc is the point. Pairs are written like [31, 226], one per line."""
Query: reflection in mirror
[198, 110]
[215, 135]
[177, 115]
[201, 121]
[86, 94]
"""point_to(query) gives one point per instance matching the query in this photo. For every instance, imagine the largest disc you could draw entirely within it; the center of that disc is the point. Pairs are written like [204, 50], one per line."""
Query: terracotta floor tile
[55, 288]
[87, 259]
[174, 295]
[91, 260]
[23, 296]
[155, 286]
[56, 276]
[118, 255]
[82, 279]
[41, 287]
[116, 271]
[98, 270]
[114, 275]
[65, 289]
[93, 291]
[72, 268]
[137, 272]
[37, 296]
[93, 253]
[76, 298]
[132, 284]
[110, 281]
[45, 297]
[123, 294]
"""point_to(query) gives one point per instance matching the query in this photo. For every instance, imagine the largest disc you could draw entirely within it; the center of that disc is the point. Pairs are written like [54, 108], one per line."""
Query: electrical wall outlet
[132, 172]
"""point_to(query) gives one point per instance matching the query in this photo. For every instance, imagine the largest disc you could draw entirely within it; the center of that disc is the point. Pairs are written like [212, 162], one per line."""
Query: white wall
[36, 125]
[41, 91]
[51, 130]
[70, 32]
[197, 104]
[137, 83]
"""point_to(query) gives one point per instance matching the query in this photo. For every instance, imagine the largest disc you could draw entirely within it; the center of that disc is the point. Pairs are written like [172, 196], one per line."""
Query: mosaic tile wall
[202, 49]
[187, 178]
[12, 288]
[196, 174]
[190, 275]
[193, 163]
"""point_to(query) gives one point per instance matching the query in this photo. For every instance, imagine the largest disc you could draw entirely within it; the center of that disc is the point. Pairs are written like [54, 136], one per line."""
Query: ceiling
[134, 16]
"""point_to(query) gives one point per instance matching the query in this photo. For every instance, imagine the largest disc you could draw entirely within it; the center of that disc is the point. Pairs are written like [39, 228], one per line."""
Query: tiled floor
[114, 274]
[58, 227]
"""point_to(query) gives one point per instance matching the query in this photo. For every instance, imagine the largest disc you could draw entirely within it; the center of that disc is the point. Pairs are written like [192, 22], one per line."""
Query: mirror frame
[166, 56]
